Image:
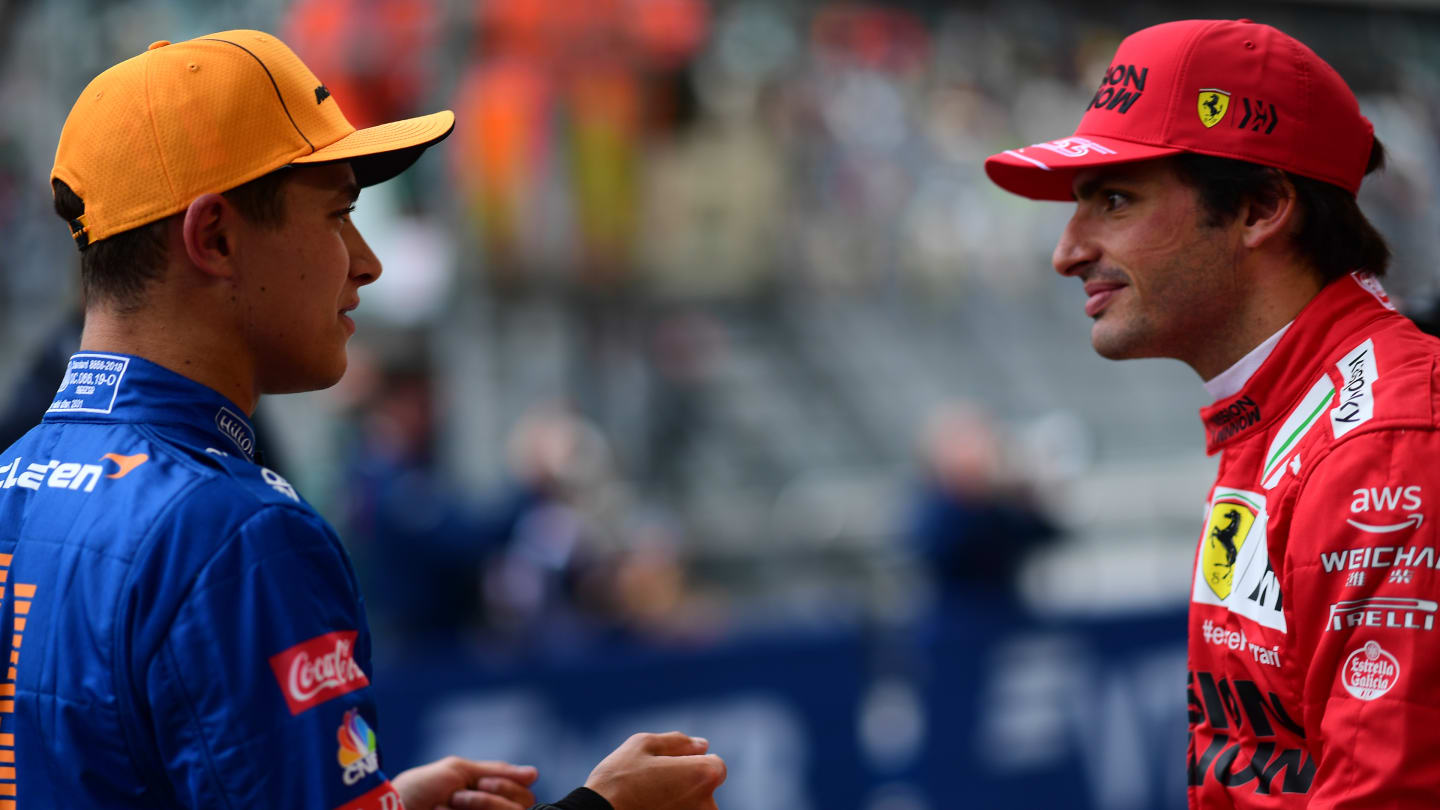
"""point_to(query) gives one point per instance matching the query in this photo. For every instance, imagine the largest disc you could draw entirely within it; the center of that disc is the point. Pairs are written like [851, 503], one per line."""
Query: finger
[478, 769]
[674, 743]
[475, 800]
[709, 769]
[514, 791]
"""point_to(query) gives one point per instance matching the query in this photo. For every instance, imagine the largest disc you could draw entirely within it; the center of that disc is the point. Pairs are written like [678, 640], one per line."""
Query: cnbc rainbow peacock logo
[357, 752]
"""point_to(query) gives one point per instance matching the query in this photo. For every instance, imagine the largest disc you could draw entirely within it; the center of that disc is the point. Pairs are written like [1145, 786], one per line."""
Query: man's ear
[208, 234]
[1270, 215]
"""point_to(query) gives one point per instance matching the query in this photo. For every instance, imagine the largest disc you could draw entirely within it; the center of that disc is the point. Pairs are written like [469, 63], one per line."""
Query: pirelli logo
[1384, 611]
[20, 595]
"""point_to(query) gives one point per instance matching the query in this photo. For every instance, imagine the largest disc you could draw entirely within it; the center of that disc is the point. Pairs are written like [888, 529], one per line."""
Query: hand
[465, 784]
[659, 772]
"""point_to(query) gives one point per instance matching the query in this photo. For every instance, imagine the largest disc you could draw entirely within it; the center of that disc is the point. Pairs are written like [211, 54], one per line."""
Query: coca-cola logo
[383, 797]
[317, 670]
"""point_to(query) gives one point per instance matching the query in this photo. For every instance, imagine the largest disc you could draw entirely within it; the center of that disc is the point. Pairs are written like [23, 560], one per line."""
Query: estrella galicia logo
[1212, 106]
[236, 430]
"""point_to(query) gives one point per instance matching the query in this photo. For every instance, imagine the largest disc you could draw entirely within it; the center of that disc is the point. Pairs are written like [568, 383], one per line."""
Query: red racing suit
[1314, 659]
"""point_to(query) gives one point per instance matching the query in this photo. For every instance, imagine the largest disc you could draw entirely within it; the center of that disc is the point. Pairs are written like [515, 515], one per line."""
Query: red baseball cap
[1229, 88]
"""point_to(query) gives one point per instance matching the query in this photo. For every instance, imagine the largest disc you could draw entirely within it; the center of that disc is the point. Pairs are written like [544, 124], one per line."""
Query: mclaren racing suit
[1314, 659]
[183, 630]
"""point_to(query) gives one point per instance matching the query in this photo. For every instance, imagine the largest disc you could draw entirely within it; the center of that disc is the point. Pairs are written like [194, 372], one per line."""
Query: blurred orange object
[371, 54]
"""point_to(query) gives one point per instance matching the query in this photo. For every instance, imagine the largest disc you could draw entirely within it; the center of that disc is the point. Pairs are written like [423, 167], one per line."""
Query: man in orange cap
[192, 631]
[1214, 175]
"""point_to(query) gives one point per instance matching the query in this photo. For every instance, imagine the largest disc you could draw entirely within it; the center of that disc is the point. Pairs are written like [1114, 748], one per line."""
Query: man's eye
[1115, 200]
[345, 212]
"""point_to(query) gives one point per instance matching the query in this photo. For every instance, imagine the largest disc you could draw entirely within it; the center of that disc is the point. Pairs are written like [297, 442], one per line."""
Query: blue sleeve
[260, 692]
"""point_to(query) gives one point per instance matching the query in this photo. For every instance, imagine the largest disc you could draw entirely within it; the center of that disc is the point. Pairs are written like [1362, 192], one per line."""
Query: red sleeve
[1365, 585]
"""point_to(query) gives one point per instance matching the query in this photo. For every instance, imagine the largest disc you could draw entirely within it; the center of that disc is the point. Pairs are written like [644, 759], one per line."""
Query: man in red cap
[1214, 175]
[182, 629]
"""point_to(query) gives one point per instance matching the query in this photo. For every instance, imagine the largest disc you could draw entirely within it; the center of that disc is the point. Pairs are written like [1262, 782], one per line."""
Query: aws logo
[1387, 499]
[71, 475]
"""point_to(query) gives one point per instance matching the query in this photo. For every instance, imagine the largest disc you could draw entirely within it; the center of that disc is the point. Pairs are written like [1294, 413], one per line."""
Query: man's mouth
[1099, 294]
[345, 316]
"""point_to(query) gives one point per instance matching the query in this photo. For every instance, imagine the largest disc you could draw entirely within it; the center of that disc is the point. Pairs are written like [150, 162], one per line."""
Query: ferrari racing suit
[1314, 659]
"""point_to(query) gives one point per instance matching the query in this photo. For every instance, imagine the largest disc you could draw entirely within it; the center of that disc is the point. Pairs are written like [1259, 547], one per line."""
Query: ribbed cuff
[581, 798]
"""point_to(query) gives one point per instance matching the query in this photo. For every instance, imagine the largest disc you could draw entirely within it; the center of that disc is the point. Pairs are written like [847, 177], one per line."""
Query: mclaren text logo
[1212, 106]
[1239, 737]
[1396, 613]
[71, 475]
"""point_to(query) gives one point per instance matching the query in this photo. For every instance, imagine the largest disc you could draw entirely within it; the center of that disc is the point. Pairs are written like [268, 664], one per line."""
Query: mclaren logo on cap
[1212, 106]
[321, 93]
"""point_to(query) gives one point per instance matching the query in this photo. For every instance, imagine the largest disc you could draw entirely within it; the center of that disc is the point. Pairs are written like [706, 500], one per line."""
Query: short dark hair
[1334, 236]
[118, 269]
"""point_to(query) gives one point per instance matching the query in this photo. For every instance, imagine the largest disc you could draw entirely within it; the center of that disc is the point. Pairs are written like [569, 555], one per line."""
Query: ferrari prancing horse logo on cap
[1212, 106]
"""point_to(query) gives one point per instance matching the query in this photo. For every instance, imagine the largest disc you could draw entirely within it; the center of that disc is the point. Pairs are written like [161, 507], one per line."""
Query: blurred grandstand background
[703, 309]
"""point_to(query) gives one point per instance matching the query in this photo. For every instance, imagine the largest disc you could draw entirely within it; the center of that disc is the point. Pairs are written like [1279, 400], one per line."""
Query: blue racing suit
[181, 628]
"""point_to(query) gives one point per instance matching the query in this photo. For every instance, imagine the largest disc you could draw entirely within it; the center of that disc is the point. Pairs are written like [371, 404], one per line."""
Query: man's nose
[364, 264]
[1075, 250]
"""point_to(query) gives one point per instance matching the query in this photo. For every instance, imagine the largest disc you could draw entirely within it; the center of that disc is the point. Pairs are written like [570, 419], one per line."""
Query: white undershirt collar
[1229, 382]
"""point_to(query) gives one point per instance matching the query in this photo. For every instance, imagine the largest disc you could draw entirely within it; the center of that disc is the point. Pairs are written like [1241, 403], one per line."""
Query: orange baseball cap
[154, 132]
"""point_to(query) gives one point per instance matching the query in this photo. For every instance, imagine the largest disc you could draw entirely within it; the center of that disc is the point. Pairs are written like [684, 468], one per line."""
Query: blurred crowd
[665, 321]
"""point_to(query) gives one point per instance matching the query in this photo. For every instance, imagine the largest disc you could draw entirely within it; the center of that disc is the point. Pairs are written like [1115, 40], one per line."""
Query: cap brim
[1046, 171]
[379, 153]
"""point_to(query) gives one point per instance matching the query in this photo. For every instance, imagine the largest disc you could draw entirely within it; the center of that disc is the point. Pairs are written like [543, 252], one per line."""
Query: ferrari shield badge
[1212, 106]
[1225, 533]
